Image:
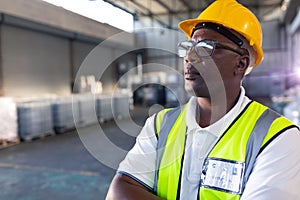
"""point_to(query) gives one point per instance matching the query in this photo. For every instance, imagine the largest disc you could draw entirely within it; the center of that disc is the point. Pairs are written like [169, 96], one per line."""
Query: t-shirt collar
[219, 126]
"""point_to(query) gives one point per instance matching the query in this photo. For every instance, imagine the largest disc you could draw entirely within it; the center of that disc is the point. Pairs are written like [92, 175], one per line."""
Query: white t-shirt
[276, 173]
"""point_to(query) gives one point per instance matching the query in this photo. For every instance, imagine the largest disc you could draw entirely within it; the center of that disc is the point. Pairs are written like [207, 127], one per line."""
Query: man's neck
[212, 111]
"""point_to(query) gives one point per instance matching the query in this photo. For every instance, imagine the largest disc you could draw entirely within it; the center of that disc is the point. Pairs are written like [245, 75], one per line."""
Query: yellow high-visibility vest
[227, 168]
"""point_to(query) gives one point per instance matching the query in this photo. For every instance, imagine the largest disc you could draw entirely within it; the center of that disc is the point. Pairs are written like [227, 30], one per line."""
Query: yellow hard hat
[232, 15]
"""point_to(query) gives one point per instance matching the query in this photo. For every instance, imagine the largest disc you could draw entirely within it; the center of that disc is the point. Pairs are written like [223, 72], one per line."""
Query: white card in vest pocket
[223, 175]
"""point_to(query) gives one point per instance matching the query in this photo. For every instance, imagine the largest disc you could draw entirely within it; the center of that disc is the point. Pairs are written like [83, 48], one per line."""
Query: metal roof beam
[291, 11]
[261, 5]
[170, 11]
[186, 4]
[155, 17]
[150, 14]
[177, 12]
[165, 6]
[120, 7]
[142, 6]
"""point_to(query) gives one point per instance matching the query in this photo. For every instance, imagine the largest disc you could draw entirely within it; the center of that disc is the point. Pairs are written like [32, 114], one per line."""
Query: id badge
[223, 175]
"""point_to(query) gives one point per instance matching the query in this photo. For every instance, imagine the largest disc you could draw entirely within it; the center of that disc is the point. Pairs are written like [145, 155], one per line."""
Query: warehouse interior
[75, 92]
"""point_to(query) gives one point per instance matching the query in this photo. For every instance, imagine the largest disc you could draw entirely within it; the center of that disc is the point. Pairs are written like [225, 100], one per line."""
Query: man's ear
[242, 65]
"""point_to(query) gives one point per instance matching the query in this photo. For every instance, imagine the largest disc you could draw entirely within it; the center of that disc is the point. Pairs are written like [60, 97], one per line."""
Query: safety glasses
[203, 48]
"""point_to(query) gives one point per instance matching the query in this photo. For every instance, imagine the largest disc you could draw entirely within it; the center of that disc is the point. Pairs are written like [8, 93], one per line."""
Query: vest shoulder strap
[256, 139]
[168, 121]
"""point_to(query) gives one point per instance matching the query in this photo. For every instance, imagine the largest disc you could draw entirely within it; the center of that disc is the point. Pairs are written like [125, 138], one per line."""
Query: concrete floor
[60, 167]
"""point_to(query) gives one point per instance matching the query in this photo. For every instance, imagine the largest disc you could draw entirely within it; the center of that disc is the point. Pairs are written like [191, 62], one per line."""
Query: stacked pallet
[86, 109]
[34, 119]
[8, 121]
[104, 107]
[121, 106]
[63, 109]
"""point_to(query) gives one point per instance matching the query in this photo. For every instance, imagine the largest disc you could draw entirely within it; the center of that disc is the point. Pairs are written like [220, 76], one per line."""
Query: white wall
[34, 63]
[36, 59]
[80, 51]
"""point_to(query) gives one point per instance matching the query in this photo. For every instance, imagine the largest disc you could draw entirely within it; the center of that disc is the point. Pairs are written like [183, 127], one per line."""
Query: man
[221, 145]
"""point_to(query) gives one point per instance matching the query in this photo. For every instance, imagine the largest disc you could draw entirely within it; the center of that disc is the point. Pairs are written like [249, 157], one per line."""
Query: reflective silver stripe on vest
[255, 140]
[166, 126]
[254, 143]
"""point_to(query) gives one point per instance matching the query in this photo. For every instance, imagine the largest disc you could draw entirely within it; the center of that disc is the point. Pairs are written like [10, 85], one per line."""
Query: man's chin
[196, 92]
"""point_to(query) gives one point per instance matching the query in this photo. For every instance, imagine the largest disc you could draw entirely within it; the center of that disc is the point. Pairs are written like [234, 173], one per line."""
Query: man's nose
[192, 56]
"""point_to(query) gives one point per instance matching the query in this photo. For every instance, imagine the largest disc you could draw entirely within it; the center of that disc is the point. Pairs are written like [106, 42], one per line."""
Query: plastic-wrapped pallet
[62, 111]
[34, 119]
[8, 120]
[87, 112]
[104, 107]
[121, 105]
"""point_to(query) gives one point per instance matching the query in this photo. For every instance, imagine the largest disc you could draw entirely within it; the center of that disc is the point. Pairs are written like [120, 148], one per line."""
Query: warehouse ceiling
[157, 10]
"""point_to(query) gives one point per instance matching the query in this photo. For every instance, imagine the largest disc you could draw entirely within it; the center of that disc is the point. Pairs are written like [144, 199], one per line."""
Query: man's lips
[191, 74]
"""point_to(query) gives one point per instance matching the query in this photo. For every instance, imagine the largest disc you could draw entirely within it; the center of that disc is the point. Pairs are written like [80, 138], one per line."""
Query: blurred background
[72, 69]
